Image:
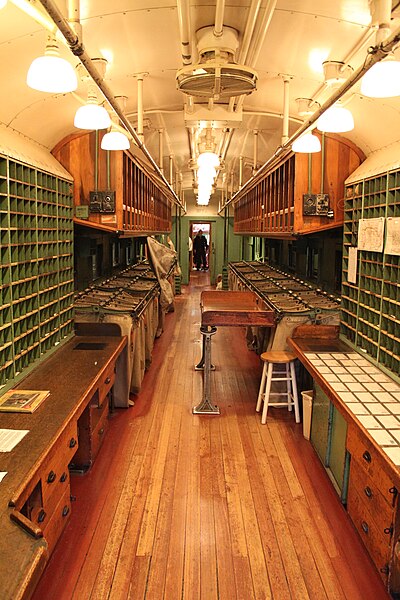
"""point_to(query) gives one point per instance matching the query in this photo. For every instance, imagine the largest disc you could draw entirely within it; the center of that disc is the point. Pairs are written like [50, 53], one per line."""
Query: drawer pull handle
[388, 530]
[51, 477]
[72, 443]
[393, 490]
[101, 431]
[367, 456]
[368, 492]
[364, 527]
[385, 570]
[41, 516]
[65, 511]
[108, 380]
[63, 477]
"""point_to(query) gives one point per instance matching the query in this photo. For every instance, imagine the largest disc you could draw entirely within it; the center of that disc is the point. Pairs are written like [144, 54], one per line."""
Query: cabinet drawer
[98, 434]
[106, 382]
[363, 451]
[54, 486]
[57, 521]
[375, 504]
[373, 536]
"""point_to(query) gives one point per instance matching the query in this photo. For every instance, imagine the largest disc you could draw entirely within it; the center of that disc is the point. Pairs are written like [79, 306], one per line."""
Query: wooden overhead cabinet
[116, 191]
[302, 194]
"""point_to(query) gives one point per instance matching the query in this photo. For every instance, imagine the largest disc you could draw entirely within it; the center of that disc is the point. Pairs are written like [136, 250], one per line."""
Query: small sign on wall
[82, 212]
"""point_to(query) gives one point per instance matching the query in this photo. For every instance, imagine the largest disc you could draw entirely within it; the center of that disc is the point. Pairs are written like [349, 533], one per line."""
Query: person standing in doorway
[200, 250]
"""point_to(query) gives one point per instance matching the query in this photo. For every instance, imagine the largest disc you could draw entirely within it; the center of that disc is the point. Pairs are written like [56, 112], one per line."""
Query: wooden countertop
[70, 374]
[364, 394]
[234, 309]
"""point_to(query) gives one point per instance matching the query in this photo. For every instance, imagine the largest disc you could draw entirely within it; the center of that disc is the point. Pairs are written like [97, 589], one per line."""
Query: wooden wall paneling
[300, 188]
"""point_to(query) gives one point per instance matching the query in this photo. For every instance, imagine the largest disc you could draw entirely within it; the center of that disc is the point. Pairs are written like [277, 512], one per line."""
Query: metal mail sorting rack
[294, 301]
[233, 309]
[129, 302]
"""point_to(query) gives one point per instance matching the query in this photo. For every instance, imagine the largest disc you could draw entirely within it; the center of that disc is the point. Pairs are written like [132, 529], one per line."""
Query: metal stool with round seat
[278, 366]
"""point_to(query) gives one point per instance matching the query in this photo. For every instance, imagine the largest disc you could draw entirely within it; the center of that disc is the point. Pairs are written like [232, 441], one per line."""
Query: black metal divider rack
[36, 266]
[295, 301]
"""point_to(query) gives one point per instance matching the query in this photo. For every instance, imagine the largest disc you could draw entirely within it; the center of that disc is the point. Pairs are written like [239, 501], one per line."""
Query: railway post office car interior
[214, 426]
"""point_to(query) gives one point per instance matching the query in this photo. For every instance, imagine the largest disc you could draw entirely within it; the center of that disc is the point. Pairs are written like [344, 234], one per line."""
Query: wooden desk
[232, 309]
[74, 374]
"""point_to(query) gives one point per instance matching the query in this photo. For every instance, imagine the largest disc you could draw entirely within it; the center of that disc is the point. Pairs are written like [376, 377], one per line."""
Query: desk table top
[234, 309]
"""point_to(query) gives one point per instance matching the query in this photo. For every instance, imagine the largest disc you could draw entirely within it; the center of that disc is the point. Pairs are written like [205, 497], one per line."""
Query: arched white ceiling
[143, 37]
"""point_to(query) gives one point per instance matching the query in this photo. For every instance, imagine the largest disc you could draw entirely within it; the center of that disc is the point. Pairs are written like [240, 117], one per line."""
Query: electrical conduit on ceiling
[77, 48]
[378, 53]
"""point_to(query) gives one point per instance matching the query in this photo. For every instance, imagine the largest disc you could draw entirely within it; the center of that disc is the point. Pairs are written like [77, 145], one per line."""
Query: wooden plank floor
[184, 507]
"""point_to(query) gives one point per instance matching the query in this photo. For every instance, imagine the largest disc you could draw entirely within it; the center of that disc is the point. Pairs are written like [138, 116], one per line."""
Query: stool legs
[267, 393]
[294, 393]
[262, 385]
[267, 377]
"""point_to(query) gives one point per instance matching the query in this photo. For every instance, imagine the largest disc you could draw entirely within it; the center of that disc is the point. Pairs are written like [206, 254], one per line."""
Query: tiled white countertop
[370, 395]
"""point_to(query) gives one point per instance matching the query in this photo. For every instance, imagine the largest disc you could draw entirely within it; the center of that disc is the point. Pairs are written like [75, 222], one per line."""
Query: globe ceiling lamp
[208, 159]
[92, 115]
[383, 79]
[307, 144]
[51, 73]
[336, 119]
[115, 139]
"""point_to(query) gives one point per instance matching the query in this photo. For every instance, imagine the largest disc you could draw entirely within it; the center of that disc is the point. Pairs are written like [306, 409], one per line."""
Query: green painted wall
[217, 242]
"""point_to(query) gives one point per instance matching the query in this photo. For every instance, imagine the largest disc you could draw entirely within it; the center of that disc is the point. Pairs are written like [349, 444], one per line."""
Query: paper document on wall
[352, 265]
[392, 245]
[370, 234]
[9, 438]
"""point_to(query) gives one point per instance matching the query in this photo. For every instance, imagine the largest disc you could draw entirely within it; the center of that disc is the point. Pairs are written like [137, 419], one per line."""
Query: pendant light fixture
[383, 79]
[208, 159]
[307, 144]
[336, 119]
[51, 73]
[92, 115]
[115, 140]
[2, 3]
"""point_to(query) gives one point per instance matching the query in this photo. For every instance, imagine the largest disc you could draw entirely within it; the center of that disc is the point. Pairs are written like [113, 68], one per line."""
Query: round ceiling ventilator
[216, 75]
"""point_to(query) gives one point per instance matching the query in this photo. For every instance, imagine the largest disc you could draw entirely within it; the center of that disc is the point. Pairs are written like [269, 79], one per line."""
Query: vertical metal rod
[96, 161]
[219, 18]
[108, 169]
[255, 150]
[309, 173]
[240, 171]
[171, 173]
[225, 239]
[140, 107]
[285, 125]
[160, 149]
[323, 140]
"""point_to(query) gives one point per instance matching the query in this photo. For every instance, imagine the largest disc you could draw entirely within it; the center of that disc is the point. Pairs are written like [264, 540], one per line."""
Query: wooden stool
[269, 375]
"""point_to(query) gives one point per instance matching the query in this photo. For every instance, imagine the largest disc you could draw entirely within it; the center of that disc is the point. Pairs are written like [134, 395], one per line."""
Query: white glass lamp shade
[307, 143]
[2, 3]
[92, 116]
[382, 80]
[336, 119]
[115, 140]
[208, 159]
[53, 74]
[206, 174]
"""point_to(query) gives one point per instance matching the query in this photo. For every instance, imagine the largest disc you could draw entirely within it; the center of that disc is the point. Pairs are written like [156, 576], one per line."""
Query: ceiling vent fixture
[216, 75]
